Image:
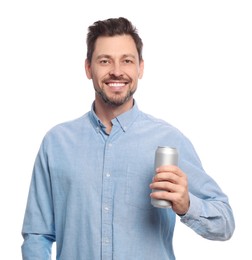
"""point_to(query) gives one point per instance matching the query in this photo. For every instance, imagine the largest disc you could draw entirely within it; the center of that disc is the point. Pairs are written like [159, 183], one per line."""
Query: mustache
[114, 77]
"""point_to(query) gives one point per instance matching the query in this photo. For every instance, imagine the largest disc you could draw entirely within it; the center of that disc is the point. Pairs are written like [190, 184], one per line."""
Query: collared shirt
[90, 192]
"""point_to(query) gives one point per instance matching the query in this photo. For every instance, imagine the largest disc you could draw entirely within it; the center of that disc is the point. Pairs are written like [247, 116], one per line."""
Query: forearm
[211, 219]
[37, 247]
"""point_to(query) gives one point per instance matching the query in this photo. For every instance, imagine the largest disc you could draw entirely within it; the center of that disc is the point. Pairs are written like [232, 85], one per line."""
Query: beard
[116, 99]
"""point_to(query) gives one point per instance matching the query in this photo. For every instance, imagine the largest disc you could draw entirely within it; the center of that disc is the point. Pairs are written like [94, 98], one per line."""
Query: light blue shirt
[90, 192]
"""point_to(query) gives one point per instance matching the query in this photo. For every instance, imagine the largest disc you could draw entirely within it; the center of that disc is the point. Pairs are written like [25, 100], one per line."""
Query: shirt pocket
[138, 190]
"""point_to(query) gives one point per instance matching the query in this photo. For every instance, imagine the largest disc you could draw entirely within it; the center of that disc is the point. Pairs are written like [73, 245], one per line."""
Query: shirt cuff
[194, 210]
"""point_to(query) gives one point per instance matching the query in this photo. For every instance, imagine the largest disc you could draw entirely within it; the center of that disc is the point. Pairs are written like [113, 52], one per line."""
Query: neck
[107, 112]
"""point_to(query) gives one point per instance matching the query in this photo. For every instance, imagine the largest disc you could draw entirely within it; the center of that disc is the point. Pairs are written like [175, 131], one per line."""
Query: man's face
[115, 69]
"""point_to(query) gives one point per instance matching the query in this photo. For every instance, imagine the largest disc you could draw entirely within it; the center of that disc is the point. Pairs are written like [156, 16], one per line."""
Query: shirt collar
[124, 120]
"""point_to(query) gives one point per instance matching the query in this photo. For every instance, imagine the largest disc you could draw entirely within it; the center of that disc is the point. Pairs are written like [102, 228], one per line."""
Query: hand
[173, 185]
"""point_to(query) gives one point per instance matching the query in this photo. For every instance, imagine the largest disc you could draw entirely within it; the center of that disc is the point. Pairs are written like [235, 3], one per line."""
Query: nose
[116, 70]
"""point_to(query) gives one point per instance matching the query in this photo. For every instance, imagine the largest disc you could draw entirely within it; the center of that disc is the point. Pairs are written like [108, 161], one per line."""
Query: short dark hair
[112, 27]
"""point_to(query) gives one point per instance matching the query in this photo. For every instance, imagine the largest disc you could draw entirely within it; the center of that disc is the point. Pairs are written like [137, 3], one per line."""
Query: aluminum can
[164, 155]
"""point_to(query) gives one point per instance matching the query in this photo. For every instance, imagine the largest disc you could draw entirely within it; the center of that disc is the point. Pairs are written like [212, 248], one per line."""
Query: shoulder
[156, 122]
[68, 128]
[70, 124]
[162, 131]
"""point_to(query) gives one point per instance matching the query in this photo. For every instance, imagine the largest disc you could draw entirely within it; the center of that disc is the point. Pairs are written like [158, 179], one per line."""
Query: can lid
[166, 147]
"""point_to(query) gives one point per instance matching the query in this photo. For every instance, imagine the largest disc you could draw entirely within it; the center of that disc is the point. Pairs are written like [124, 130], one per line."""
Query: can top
[166, 147]
[166, 150]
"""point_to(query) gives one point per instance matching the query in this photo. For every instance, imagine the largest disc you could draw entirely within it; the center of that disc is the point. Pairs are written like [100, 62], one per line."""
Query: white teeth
[116, 84]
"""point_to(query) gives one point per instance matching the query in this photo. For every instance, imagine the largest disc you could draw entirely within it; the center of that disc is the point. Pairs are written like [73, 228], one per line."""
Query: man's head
[114, 61]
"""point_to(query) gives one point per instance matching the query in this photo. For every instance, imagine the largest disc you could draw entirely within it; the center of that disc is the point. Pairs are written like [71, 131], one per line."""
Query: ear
[88, 69]
[141, 69]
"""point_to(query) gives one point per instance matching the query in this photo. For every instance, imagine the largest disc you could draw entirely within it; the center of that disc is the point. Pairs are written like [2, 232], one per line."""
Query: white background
[198, 69]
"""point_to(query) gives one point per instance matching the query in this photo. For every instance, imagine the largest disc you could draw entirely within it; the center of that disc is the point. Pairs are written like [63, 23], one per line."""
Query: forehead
[115, 45]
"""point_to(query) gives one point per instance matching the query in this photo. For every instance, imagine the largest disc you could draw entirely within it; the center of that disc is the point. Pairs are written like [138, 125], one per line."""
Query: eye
[128, 61]
[104, 61]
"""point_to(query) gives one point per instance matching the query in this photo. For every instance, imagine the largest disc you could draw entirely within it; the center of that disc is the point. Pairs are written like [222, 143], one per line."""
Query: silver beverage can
[164, 156]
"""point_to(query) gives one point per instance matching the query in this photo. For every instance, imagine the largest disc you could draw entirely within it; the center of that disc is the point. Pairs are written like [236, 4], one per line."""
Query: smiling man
[93, 177]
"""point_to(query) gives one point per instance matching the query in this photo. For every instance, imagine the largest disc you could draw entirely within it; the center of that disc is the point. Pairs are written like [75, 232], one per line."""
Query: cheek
[99, 75]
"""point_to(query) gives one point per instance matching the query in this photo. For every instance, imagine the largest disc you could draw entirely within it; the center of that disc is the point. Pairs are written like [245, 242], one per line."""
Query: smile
[116, 84]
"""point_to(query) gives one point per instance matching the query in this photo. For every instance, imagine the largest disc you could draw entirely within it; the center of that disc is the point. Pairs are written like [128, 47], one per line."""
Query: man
[92, 180]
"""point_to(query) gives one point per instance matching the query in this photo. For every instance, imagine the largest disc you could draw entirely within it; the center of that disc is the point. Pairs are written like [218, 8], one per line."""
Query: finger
[170, 168]
[165, 186]
[167, 176]
[164, 195]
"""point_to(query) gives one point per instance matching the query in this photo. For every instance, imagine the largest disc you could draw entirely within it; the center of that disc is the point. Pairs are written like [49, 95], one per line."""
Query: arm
[209, 215]
[36, 246]
[38, 226]
[195, 196]
[212, 218]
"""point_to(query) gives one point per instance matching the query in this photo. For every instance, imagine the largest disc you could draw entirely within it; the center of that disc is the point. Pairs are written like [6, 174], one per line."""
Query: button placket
[107, 201]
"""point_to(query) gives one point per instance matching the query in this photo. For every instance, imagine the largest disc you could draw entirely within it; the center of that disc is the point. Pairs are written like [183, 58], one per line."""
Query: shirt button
[106, 241]
[110, 144]
[106, 208]
[108, 175]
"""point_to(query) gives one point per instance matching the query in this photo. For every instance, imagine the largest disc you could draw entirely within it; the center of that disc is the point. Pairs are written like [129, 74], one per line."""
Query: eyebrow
[109, 56]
